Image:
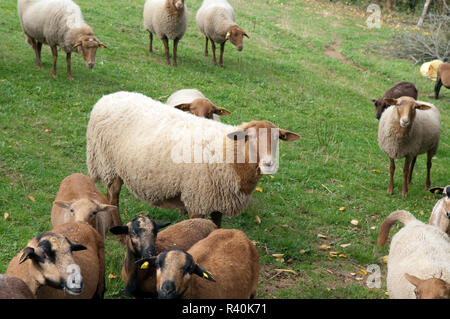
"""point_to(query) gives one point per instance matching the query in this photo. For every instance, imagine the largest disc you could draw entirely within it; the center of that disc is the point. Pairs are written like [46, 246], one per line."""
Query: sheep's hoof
[54, 75]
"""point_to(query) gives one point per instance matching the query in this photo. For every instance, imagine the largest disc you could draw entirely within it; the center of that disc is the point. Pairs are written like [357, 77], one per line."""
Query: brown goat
[142, 282]
[14, 288]
[440, 216]
[398, 90]
[227, 259]
[432, 288]
[443, 78]
[79, 200]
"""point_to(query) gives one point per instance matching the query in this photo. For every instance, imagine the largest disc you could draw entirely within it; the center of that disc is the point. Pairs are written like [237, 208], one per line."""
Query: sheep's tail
[399, 215]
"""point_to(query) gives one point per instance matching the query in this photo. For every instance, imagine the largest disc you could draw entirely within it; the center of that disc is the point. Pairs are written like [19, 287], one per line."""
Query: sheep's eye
[71, 210]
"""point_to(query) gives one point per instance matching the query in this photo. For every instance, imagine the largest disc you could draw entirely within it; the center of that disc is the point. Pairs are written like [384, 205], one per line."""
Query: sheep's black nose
[378, 116]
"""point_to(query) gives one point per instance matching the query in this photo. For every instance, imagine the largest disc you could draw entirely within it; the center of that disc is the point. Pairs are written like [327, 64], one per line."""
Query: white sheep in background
[194, 102]
[418, 250]
[440, 216]
[58, 23]
[217, 21]
[148, 146]
[407, 129]
[168, 20]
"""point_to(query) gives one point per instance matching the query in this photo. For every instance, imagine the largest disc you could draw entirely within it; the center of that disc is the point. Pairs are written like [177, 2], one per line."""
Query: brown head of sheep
[203, 108]
[433, 288]
[87, 45]
[141, 236]
[398, 90]
[236, 36]
[47, 261]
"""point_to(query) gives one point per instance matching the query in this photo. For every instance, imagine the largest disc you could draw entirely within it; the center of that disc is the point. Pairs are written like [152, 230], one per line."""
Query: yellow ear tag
[144, 265]
[436, 191]
[205, 275]
[228, 35]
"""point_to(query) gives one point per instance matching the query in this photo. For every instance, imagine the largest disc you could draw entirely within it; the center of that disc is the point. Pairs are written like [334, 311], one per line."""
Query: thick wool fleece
[55, 22]
[136, 138]
[162, 22]
[422, 137]
[215, 18]
[420, 250]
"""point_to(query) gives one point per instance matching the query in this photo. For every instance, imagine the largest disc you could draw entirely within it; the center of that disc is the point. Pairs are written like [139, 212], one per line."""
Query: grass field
[306, 68]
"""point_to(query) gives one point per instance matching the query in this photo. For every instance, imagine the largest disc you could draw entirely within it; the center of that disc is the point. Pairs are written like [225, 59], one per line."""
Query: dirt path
[332, 51]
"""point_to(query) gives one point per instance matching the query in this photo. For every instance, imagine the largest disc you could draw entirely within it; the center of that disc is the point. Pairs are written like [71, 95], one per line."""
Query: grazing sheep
[45, 261]
[14, 288]
[440, 216]
[217, 21]
[398, 90]
[194, 102]
[407, 129]
[443, 78]
[79, 200]
[227, 259]
[429, 69]
[65, 29]
[186, 162]
[141, 237]
[417, 249]
[168, 20]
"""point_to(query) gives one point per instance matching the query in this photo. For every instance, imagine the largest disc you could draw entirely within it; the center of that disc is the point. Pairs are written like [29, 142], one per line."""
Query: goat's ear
[62, 204]
[390, 101]
[28, 253]
[75, 247]
[239, 135]
[199, 271]
[437, 190]
[221, 111]
[422, 107]
[184, 107]
[161, 225]
[77, 44]
[119, 230]
[288, 136]
[413, 279]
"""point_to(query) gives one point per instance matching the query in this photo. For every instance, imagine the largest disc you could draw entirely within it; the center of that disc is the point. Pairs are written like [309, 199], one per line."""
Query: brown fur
[14, 288]
[398, 90]
[432, 288]
[443, 78]
[203, 108]
[398, 215]
[79, 200]
[172, 10]
[226, 255]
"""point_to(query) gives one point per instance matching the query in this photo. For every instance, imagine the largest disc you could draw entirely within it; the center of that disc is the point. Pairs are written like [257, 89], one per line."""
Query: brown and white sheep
[14, 288]
[398, 90]
[79, 200]
[440, 216]
[141, 234]
[443, 78]
[227, 259]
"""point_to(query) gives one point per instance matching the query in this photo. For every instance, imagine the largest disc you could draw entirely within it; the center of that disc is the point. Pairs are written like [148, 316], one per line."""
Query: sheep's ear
[75, 247]
[422, 107]
[221, 111]
[199, 271]
[391, 101]
[103, 207]
[119, 230]
[184, 107]
[437, 190]
[77, 44]
[374, 100]
[28, 253]
[413, 279]
[239, 135]
[62, 204]
[246, 35]
[288, 136]
[161, 225]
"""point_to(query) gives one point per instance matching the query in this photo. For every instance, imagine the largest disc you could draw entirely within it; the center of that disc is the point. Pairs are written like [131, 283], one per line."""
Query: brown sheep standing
[398, 90]
[443, 78]
[142, 282]
[14, 288]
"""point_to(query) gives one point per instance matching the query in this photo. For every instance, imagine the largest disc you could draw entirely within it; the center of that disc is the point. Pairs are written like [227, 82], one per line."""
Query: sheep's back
[157, 20]
[184, 96]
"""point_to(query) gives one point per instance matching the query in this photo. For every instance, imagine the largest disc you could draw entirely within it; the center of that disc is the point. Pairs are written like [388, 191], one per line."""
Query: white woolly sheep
[407, 129]
[14, 288]
[217, 21]
[66, 29]
[194, 102]
[440, 216]
[141, 243]
[174, 159]
[227, 259]
[442, 78]
[418, 250]
[79, 200]
[168, 20]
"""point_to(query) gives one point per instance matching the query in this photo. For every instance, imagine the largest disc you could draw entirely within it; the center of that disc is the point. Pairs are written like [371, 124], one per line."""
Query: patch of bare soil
[332, 51]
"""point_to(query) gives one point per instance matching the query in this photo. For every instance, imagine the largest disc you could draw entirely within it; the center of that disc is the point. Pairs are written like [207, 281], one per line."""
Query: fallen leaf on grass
[363, 272]
[359, 278]
[373, 227]
[342, 208]
[345, 245]
[421, 213]
[259, 189]
[342, 256]
[353, 273]
[385, 259]
[354, 222]
[258, 220]
[112, 276]
[279, 257]
[376, 171]
[333, 253]
[324, 247]
[302, 251]
[30, 197]
[5, 216]
[287, 270]
[322, 236]
[47, 130]
[329, 271]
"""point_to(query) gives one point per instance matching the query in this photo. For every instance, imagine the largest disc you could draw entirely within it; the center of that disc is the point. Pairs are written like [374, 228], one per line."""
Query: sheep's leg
[222, 48]
[406, 175]
[206, 46]
[430, 155]
[37, 50]
[112, 195]
[150, 48]
[68, 61]
[166, 49]
[437, 88]
[213, 46]
[391, 175]
[55, 57]
[216, 217]
[411, 169]
[175, 45]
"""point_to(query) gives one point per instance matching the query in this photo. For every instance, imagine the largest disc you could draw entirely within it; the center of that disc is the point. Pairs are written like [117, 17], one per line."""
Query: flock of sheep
[178, 154]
